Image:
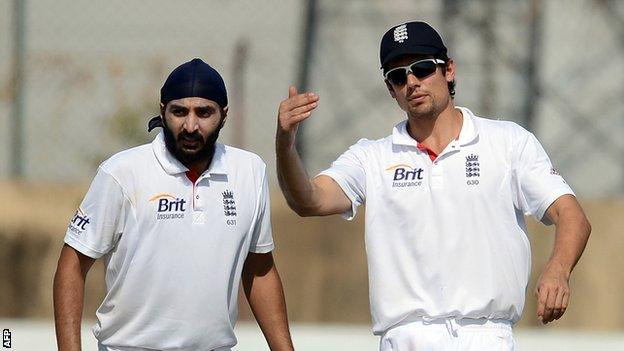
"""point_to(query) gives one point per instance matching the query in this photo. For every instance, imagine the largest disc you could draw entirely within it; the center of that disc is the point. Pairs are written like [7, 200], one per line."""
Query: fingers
[552, 303]
[562, 303]
[296, 108]
[552, 293]
[558, 307]
[297, 100]
[542, 296]
[297, 116]
[566, 300]
[303, 109]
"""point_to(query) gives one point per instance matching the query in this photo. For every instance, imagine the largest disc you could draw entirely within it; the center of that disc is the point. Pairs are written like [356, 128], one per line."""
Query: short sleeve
[538, 183]
[261, 232]
[97, 224]
[349, 172]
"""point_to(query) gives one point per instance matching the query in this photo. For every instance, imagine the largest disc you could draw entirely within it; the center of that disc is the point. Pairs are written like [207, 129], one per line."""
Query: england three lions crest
[229, 204]
[473, 170]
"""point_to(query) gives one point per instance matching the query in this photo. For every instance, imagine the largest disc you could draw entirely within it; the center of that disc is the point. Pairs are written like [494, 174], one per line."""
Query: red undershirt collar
[192, 176]
[423, 148]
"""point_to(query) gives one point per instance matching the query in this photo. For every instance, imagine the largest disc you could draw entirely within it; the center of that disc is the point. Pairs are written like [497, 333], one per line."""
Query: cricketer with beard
[178, 223]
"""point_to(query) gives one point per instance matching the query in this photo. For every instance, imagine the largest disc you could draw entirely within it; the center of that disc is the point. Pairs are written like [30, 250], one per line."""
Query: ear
[224, 117]
[390, 89]
[162, 110]
[450, 70]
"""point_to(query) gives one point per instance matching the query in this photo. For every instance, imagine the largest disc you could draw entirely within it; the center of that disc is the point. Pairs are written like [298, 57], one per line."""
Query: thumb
[292, 91]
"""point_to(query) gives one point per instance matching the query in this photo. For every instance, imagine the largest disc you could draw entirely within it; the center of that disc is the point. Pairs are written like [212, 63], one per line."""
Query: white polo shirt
[447, 238]
[173, 249]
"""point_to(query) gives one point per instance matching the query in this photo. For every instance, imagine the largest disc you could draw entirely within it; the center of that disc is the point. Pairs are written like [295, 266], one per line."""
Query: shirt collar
[172, 165]
[469, 131]
[400, 136]
[218, 164]
[467, 134]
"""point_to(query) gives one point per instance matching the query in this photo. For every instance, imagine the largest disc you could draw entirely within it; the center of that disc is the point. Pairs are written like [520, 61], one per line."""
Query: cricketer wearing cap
[178, 223]
[445, 193]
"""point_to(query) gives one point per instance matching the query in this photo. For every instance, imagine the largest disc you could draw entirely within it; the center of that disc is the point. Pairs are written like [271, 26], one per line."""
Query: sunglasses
[420, 69]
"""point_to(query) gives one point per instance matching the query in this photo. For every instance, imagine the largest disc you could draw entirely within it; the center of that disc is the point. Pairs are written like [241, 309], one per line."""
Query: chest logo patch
[229, 207]
[473, 170]
[404, 175]
[168, 206]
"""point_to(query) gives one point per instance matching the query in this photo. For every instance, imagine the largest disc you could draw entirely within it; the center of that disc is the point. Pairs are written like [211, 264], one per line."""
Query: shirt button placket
[199, 204]
[199, 216]
[437, 178]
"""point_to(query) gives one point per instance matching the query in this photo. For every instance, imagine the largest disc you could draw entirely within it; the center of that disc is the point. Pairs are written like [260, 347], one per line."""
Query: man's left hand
[552, 293]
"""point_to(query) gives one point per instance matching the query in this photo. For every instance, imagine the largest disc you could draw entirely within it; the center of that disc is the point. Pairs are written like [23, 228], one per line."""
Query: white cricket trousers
[450, 334]
[108, 348]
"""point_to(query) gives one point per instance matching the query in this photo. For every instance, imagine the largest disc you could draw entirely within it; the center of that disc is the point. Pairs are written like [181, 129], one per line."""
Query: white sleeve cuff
[548, 200]
[82, 248]
[262, 248]
[349, 214]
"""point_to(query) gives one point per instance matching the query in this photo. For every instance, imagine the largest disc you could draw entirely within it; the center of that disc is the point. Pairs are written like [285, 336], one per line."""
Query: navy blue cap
[411, 38]
[195, 78]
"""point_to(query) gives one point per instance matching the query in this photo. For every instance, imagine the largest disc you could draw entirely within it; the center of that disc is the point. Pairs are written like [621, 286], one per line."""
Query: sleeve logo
[555, 172]
[79, 222]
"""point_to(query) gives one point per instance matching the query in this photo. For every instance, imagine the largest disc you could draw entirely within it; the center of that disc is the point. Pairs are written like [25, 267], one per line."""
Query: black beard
[188, 159]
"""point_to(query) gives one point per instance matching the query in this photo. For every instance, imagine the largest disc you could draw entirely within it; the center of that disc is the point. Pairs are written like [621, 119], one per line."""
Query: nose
[191, 122]
[412, 81]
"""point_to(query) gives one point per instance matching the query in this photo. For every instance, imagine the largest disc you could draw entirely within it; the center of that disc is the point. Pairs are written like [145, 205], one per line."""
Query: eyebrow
[202, 108]
[173, 106]
[206, 108]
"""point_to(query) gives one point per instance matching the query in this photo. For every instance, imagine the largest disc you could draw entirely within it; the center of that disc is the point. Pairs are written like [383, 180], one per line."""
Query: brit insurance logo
[404, 175]
[79, 222]
[473, 170]
[169, 206]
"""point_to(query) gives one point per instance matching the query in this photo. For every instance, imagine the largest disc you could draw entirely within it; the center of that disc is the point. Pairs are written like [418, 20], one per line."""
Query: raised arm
[308, 197]
[263, 289]
[69, 282]
[571, 235]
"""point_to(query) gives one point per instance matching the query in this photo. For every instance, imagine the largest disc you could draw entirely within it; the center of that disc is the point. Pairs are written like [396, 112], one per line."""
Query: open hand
[292, 111]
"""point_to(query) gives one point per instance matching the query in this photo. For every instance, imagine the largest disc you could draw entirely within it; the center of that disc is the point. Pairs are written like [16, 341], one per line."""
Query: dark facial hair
[188, 159]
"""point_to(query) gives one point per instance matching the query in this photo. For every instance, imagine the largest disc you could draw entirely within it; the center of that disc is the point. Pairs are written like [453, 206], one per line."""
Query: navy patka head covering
[192, 79]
